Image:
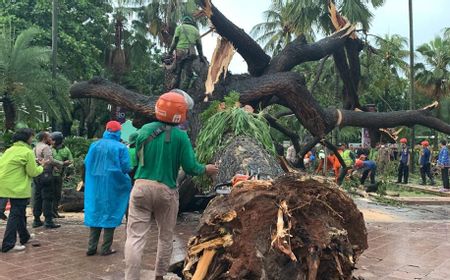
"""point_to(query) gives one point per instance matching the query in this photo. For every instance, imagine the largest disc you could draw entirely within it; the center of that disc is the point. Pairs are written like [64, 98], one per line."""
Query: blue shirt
[425, 157]
[369, 164]
[443, 157]
[404, 155]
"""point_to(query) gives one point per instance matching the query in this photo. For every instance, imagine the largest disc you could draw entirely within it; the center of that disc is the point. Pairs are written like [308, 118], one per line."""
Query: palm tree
[278, 30]
[433, 76]
[26, 81]
[162, 16]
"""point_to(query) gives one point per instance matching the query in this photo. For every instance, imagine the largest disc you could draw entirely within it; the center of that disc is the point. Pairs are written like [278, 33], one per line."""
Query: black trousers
[3, 202]
[17, 224]
[342, 173]
[43, 199]
[366, 173]
[444, 172]
[425, 170]
[403, 172]
[57, 184]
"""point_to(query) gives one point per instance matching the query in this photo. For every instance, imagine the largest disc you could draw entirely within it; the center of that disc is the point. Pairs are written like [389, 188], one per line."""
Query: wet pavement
[404, 243]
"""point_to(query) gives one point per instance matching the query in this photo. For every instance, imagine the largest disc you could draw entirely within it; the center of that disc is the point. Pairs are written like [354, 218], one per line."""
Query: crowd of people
[368, 161]
[138, 179]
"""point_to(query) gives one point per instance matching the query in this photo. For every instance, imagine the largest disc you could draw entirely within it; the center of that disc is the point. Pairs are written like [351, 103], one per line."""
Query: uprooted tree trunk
[295, 227]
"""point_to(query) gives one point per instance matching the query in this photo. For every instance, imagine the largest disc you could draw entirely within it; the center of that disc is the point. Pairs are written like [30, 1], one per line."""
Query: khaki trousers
[149, 197]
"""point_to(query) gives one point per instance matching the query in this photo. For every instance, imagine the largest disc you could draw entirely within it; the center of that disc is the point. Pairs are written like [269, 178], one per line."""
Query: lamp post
[411, 78]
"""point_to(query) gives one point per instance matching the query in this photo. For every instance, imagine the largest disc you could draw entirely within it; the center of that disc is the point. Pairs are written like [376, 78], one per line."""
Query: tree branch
[298, 51]
[292, 135]
[319, 73]
[115, 94]
[257, 60]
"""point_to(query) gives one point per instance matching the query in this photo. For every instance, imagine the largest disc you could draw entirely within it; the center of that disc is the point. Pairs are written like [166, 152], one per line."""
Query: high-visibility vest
[347, 158]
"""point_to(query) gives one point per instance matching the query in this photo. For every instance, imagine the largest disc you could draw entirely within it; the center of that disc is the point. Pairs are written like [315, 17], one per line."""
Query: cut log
[72, 201]
[296, 227]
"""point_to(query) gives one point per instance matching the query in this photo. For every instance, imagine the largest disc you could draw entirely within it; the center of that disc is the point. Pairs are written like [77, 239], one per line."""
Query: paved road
[405, 243]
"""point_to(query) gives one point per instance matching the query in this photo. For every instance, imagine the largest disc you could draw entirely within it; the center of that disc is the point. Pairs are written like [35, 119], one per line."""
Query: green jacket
[61, 154]
[162, 160]
[17, 168]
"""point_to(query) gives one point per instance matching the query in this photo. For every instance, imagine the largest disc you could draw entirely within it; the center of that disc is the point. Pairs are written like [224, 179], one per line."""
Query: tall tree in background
[25, 78]
[278, 30]
[433, 76]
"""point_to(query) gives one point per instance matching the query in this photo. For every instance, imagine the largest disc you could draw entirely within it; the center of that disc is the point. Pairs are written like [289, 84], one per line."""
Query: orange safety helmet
[359, 163]
[171, 107]
[403, 140]
[425, 143]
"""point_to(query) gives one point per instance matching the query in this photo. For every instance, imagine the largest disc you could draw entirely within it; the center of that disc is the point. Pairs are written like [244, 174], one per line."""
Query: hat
[404, 140]
[425, 143]
[362, 157]
[113, 126]
[132, 138]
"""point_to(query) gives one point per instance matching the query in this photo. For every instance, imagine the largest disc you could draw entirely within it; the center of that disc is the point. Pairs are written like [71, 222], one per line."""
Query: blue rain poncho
[107, 184]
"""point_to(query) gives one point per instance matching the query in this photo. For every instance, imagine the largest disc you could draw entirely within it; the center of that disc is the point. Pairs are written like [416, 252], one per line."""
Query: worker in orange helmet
[162, 148]
[405, 158]
[368, 167]
[425, 163]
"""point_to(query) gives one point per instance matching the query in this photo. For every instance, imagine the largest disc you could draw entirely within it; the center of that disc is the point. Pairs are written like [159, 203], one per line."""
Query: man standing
[107, 188]
[185, 40]
[403, 168]
[162, 149]
[63, 154]
[44, 184]
[425, 165]
[444, 163]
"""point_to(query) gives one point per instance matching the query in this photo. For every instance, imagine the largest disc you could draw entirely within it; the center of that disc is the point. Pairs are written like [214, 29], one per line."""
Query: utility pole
[54, 49]
[411, 78]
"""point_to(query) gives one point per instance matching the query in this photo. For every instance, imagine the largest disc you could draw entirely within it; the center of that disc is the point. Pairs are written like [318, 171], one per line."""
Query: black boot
[37, 223]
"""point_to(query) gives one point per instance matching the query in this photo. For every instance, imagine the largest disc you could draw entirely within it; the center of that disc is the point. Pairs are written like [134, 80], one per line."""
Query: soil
[326, 237]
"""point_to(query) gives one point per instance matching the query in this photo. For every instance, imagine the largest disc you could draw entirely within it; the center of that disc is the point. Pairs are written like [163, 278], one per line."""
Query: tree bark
[299, 51]
[9, 108]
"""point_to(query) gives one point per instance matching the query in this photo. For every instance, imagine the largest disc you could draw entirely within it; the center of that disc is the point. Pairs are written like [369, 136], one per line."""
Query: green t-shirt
[162, 160]
[61, 154]
[187, 36]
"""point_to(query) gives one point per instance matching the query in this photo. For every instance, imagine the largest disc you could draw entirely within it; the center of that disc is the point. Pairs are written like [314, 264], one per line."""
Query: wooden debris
[224, 241]
[223, 53]
[203, 264]
[281, 238]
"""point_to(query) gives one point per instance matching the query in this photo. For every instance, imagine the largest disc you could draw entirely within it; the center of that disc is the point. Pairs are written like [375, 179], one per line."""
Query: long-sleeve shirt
[17, 168]
[425, 156]
[162, 160]
[443, 157]
[44, 151]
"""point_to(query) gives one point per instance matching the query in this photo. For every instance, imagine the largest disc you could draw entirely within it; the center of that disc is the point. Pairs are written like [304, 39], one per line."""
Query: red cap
[113, 126]
[425, 143]
[359, 163]
[404, 140]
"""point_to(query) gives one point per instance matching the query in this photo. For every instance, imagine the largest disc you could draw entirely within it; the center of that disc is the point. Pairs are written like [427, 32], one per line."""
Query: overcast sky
[430, 18]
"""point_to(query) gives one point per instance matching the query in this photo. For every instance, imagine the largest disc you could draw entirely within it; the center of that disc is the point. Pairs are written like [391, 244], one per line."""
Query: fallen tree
[295, 227]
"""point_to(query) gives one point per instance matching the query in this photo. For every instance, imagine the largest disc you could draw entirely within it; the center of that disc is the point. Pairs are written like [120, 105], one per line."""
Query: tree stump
[296, 227]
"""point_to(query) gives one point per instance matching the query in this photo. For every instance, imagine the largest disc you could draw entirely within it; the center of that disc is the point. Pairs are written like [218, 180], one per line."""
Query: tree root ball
[295, 227]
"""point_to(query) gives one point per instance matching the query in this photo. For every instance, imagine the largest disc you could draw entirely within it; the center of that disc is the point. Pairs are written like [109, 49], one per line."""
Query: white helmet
[189, 101]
